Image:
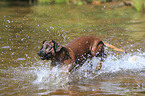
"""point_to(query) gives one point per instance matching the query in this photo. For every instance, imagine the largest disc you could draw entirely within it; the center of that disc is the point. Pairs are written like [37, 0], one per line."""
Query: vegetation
[139, 5]
[77, 2]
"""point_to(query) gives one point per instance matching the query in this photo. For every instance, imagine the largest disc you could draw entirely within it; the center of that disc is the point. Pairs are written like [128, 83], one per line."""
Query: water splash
[55, 77]
[40, 77]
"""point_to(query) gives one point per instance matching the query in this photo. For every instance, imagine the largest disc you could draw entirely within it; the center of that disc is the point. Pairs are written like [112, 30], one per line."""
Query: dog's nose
[41, 53]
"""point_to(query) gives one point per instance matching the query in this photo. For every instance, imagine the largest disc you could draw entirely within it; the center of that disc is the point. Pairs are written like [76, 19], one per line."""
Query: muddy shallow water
[24, 27]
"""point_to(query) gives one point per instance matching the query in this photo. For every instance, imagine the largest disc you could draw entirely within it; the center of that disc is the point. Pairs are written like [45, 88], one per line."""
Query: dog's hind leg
[99, 65]
[98, 51]
[102, 55]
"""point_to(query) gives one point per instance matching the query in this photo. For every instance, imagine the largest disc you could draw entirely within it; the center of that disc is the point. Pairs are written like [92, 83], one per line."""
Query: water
[117, 76]
[23, 28]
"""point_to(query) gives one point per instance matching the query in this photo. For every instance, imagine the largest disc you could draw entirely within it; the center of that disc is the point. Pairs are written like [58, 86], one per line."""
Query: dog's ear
[44, 41]
[57, 46]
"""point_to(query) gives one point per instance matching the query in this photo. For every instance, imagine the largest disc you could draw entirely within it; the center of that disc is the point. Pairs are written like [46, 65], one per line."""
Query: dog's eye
[49, 47]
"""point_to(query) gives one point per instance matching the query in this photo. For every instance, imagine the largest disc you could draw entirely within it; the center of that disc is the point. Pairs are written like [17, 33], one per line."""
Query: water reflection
[23, 28]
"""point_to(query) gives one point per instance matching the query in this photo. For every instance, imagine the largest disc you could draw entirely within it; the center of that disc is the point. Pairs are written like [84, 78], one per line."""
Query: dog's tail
[113, 47]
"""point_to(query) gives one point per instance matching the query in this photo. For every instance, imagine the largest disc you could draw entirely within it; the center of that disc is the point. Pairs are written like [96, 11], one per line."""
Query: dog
[75, 53]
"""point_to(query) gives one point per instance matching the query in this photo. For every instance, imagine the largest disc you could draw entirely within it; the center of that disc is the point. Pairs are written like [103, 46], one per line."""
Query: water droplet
[8, 21]
[5, 47]
[21, 59]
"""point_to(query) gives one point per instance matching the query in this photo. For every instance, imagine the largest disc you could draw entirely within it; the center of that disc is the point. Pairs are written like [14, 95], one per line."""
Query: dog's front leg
[52, 64]
[72, 67]
[67, 69]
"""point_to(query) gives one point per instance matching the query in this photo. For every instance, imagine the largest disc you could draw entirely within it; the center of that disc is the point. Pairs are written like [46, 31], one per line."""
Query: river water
[24, 27]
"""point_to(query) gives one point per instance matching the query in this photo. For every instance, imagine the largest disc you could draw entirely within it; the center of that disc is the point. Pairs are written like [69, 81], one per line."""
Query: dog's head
[49, 49]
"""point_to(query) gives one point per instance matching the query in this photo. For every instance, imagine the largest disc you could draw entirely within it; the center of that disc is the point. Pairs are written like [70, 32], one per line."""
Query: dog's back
[82, 45]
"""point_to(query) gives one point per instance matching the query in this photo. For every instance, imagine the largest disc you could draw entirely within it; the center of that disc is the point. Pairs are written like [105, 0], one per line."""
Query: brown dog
[75, 53]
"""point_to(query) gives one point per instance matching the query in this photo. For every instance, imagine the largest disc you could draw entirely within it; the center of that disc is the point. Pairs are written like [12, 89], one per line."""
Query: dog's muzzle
[44, 56]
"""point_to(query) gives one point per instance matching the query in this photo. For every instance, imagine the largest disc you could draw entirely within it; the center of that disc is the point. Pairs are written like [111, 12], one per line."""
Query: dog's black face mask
[49, 49]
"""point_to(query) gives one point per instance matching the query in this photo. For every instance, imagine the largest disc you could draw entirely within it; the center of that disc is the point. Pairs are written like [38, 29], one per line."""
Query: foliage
[139, 5]
[53, 1]
[44, 1]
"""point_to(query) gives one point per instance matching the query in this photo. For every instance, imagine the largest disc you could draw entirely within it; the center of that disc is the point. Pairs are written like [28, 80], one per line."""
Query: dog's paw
[99, 65]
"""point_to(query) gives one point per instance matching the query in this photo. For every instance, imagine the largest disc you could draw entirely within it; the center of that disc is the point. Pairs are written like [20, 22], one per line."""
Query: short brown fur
[75, 53]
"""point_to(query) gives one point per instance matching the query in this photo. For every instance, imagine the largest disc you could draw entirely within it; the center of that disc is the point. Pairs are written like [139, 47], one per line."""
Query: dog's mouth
[45, 56]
